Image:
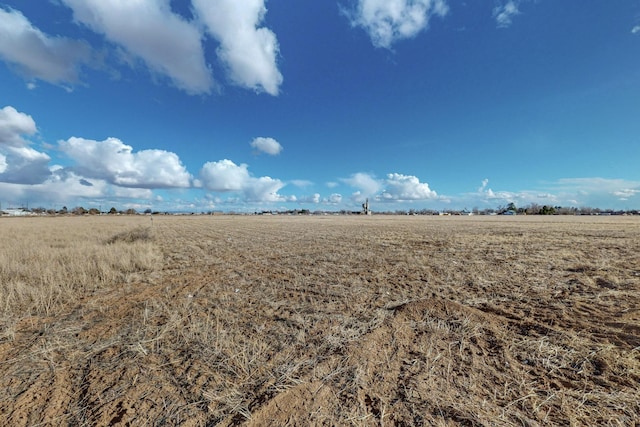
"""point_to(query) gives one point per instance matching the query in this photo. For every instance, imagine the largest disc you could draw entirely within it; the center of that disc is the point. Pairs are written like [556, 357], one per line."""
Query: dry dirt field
[364, 321]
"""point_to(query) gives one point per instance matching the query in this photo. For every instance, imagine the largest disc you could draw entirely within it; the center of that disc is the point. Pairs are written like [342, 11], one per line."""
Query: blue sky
[202, 105]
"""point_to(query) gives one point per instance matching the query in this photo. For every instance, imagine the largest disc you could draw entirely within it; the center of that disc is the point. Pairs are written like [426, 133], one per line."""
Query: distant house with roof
[15, 212]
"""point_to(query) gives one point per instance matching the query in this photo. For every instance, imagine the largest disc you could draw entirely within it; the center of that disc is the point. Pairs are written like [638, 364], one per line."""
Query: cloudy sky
[244, 105]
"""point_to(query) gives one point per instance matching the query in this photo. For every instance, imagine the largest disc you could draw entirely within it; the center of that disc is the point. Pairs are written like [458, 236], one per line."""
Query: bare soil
[372, 321]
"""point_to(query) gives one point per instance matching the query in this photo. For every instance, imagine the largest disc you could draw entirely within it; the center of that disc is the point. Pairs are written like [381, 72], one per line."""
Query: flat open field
[372, 321]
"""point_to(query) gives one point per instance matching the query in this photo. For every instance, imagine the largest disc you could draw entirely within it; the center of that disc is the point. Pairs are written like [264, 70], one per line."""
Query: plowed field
[286, 320]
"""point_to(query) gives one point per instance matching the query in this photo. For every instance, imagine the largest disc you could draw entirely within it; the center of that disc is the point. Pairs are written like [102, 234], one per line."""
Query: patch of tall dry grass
[46, 263]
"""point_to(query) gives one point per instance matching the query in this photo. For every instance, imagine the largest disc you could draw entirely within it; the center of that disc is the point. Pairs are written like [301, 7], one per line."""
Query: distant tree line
[509, 209]
[79, 210]
[512, 209]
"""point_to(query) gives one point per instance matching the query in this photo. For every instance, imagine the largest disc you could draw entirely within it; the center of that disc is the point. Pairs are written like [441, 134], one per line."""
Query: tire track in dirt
[459, 351]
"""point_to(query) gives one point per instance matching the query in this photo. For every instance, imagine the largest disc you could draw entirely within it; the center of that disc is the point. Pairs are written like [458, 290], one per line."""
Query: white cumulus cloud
[485, 182]
[263, 189]
[366, 184]
[395, 187]
[626, 193]
[249, 51]
[116, 163]
[314, 198]
[148, 29]
[19, 163]
[593, 188]
[226, 176]
[406, 187]
[387, 21]
[334, 199]
[24, 165]
[267, 145]
[485, 193]
[505, 12]
[14, 124]
[37, 55]
[635, 30]
[63, 186]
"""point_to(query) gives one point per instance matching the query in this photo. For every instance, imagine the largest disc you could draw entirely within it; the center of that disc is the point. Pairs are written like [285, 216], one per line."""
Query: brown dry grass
[320, 321]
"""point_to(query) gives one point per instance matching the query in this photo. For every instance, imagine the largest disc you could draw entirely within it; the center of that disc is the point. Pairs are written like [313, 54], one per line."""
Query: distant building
[16, 212]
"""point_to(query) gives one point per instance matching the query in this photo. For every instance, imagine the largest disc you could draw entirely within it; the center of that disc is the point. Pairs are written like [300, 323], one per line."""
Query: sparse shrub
[138, 234]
